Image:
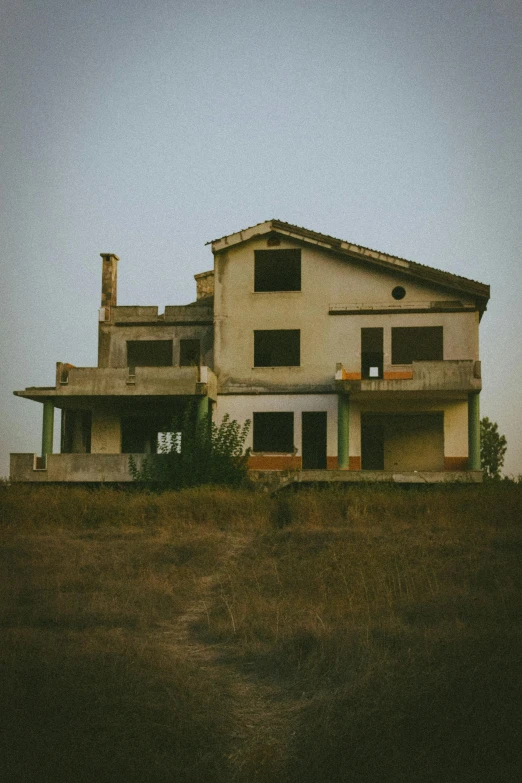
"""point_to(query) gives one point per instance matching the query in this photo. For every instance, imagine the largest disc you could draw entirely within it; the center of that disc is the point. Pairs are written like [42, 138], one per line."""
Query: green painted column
[201, 409]
[47, 428]
[343, 431]
[473, 431]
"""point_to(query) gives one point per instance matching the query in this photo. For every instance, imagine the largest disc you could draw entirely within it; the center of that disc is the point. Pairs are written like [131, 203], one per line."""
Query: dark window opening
[274, 432]
[189, 353]
[149, 353]
[277, 270]
[277, 348]
[399, 292]
[416, 344]
[372, 352]
[142, 434]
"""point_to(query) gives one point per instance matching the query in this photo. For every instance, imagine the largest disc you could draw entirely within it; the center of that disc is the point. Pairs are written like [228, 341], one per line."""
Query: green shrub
[201, 452]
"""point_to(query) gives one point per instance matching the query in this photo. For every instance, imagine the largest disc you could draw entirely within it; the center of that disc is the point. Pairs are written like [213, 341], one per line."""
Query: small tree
[198, 453]
[492, 448]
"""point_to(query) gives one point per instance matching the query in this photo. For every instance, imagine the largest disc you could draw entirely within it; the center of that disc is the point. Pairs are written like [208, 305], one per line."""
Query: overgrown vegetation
[196, 452]
[385, 623]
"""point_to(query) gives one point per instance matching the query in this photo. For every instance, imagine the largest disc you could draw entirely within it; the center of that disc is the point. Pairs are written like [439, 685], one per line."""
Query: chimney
[109, 279]
[204, 284]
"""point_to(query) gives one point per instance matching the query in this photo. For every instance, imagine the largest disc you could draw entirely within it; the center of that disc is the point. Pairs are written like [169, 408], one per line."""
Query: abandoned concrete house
[346, 360]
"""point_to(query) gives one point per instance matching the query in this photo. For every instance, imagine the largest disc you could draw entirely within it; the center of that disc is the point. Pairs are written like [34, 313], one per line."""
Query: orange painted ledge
[405, 375]
[399, 375]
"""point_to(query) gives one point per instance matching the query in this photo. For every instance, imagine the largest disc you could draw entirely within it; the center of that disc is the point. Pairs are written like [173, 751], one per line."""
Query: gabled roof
[408, 268]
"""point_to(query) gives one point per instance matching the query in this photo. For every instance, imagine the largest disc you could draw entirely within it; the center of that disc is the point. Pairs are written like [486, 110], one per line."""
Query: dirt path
[263, 714]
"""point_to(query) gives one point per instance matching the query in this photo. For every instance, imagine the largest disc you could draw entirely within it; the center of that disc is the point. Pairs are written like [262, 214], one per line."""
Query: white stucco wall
[241, 408]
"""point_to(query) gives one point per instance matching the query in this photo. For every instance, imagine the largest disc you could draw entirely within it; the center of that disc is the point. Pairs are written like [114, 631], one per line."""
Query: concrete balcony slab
[443, 378]
[125, 382]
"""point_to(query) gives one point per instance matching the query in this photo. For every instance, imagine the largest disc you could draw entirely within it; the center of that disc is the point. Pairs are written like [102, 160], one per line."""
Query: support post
[47, 428]
[343, 431]
[201, 409]
[473, 431]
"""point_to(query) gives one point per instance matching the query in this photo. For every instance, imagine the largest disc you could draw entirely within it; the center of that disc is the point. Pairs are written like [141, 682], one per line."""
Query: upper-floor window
[277, 270]
[277, 348]
[416, 344]
[149, 353]
[189, 353]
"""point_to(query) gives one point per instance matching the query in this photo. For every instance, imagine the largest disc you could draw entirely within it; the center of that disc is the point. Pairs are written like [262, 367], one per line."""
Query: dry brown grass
[366, 635]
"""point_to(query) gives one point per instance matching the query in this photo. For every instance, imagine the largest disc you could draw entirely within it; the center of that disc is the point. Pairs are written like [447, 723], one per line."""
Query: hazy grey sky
[148, 128]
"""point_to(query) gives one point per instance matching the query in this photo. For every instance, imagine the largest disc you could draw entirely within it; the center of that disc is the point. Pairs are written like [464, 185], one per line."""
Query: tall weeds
[388, 621]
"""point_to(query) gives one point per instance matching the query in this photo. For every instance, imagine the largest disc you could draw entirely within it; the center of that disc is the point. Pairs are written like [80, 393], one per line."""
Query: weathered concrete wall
[205, 284]
[145, 381]
[413, 442]
[325, 339]
[105, 433]
[178, 322]
[459, 376]
[120, 335]
[73, 468]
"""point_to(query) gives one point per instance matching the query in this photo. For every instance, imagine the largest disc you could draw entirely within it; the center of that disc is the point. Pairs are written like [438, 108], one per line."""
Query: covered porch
[107, 415]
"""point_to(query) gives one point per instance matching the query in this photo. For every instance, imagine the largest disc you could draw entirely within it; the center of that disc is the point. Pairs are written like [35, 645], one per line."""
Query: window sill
[293, 291]
[276, 366]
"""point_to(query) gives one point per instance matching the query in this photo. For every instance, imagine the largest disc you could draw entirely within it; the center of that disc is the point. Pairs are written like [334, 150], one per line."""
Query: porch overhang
[94, 383]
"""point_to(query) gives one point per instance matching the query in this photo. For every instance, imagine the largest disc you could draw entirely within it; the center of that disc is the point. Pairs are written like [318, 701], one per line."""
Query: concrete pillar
[343, 431]
[201, 409]
[473, 431]
[47, 428]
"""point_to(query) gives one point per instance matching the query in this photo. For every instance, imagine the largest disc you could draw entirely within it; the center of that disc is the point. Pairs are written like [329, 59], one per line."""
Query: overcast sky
[147, 128]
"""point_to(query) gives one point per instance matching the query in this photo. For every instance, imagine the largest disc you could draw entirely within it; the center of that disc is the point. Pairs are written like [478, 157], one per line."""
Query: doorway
[314, 440]
[372, 446]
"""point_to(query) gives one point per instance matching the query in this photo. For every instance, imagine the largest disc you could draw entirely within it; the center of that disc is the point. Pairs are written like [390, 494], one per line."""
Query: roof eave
[447, 280]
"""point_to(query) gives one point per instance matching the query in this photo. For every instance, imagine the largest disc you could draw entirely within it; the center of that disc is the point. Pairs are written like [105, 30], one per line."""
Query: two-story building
[343, 359]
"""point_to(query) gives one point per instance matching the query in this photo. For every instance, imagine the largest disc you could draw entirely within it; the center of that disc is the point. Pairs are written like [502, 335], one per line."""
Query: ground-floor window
[274, 432]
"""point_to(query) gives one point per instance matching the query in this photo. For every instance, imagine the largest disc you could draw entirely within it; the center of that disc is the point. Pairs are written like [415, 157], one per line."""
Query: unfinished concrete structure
[347, 361]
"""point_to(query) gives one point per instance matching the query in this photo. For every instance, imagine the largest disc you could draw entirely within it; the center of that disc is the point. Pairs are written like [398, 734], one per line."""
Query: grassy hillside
[372, 634]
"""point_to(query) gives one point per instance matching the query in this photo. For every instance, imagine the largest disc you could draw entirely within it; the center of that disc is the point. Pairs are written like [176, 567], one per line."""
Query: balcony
[75, 382]
[452, 378]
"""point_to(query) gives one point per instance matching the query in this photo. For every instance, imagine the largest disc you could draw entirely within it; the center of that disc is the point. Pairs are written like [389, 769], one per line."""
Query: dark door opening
[314, 440]
[372, 352]
[372, 447]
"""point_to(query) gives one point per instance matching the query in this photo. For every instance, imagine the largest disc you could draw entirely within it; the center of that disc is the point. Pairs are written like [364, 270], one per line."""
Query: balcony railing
[126, 381]
[84, 468]
[460, 375]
